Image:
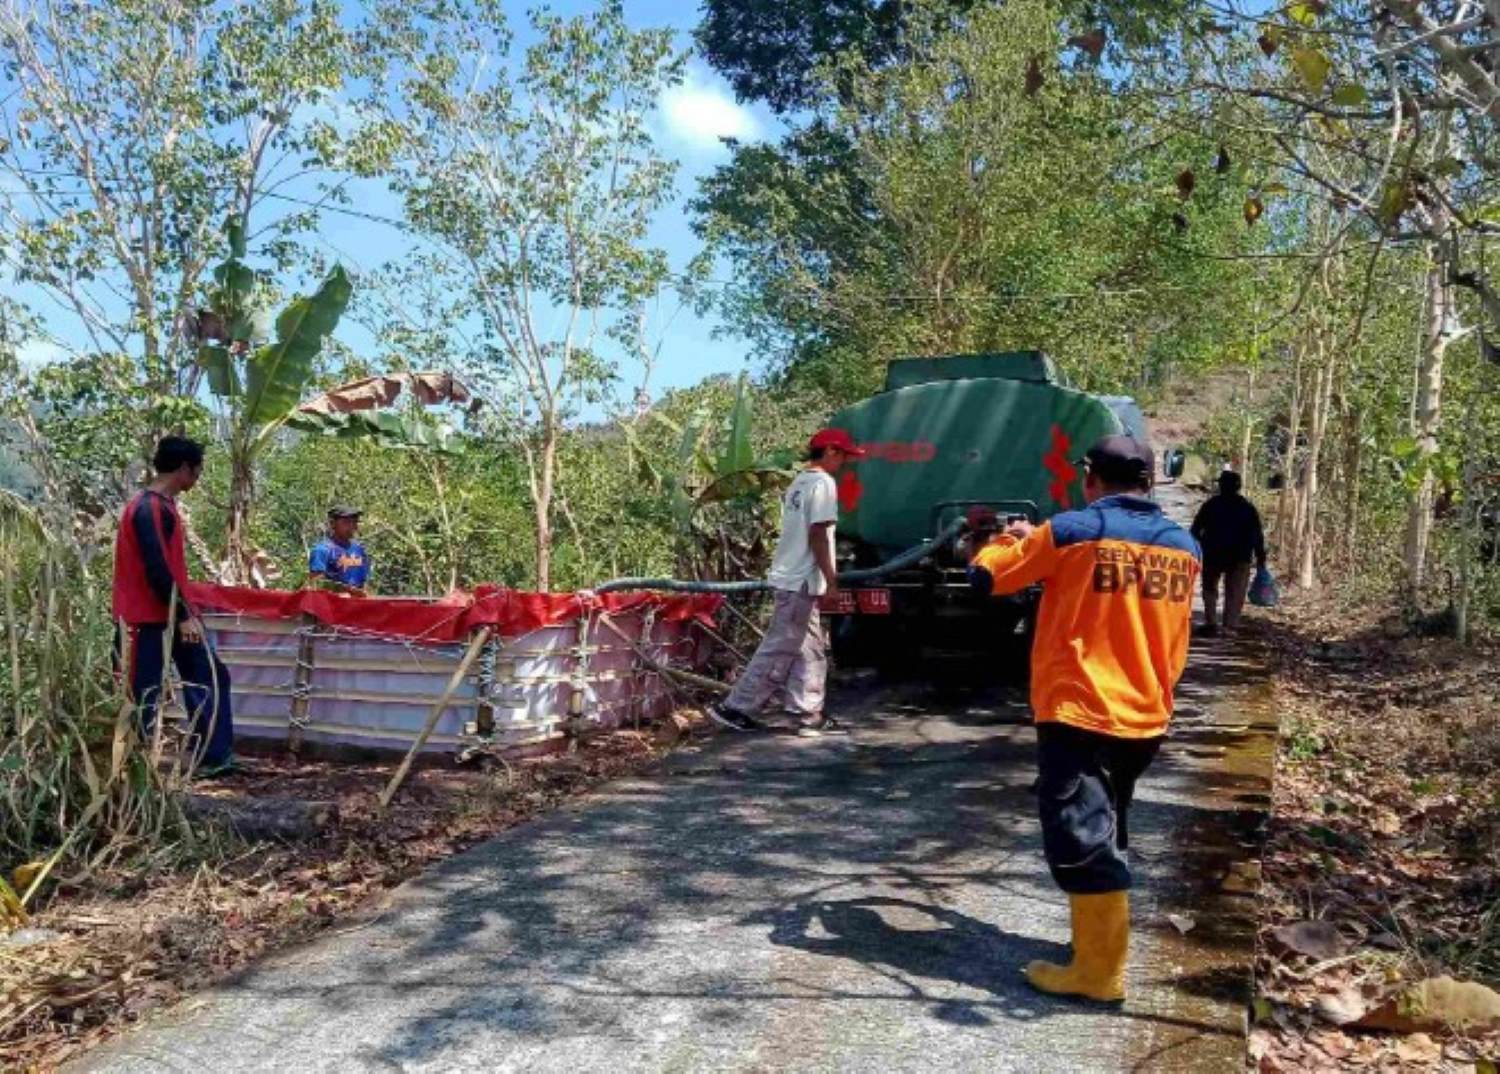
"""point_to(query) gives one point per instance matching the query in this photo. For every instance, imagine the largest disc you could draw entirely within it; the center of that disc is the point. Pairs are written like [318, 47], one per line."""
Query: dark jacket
[1228, 528]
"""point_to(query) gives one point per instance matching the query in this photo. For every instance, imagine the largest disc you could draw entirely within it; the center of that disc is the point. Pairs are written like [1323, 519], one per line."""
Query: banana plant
[259, 368]
[362, 408]
[717, 491]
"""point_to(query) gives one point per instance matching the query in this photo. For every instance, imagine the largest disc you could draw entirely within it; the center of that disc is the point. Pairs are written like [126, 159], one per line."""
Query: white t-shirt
[812, 498]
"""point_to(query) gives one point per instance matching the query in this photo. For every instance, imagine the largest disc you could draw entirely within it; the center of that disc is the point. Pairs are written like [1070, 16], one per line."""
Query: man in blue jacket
[338, 561]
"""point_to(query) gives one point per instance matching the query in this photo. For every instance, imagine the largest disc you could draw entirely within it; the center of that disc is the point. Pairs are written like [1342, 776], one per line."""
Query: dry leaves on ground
[1382, 867]
[104, 957]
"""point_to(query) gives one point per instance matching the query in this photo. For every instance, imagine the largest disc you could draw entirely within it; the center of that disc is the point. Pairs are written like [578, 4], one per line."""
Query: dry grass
[78, 791]
[135, 939]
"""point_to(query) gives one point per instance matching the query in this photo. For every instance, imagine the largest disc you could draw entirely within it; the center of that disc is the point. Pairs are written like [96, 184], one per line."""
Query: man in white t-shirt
[790, 660]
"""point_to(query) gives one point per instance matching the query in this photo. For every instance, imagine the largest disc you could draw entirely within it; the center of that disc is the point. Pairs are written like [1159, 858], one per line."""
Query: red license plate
[857, 601]
[840, 603]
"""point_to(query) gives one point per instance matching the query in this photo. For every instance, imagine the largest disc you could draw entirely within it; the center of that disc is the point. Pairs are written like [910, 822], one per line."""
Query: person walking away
[790, 661]
[1229, 530]
[150, 590]
[338, 561]
[1111, 642]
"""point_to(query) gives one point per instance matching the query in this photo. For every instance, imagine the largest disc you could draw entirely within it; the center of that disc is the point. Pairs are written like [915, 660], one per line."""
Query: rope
[912, 555]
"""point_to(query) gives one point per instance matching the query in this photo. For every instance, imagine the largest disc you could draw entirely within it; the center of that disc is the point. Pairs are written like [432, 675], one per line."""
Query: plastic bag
[1263, 591]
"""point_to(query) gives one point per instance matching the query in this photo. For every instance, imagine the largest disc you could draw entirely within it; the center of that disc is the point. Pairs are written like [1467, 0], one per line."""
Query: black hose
[915, 554]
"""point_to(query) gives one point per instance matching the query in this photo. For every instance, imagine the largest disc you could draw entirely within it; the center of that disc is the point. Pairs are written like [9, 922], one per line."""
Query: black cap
[1121, 460]
[343, 510]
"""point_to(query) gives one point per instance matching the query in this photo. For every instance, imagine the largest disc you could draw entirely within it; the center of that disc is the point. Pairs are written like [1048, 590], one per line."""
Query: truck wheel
[844, 641]
[895, 648]
[1015, 656]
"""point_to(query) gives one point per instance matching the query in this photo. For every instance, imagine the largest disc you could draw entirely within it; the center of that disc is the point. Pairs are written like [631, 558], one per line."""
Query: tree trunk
[1428, 414]
[1353, 462]
[546, 481]
[1317, 428]
[1469, 518]
[1242, 460]
[1285, 539]
[1298, 522]
[238, 558]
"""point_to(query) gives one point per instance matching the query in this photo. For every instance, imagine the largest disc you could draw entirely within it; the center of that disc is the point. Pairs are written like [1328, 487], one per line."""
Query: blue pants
[1087, 782]
[205, 687]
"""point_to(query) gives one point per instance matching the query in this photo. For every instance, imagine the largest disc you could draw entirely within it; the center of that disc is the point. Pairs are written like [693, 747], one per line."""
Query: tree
[771, 50]
[130, 130]
[1387, 117]
[259, 370]
[533, 178]
[977, 196]
[719, 489]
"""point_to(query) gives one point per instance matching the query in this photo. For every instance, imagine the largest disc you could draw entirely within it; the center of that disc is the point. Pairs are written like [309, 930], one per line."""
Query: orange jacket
[1112, 632]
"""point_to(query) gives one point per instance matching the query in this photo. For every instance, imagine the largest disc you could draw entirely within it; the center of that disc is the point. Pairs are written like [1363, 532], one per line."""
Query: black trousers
[142, 655]
[1086, 783]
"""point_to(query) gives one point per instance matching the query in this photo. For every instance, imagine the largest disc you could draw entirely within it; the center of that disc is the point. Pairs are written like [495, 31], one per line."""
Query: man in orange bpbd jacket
[1111, 641]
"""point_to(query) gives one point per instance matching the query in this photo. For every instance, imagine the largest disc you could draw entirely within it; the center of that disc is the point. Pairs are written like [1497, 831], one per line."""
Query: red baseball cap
[838, 439]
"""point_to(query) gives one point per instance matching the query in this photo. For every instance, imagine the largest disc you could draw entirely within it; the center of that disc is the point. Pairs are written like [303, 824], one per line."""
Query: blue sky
[689, 126]
[691, 120]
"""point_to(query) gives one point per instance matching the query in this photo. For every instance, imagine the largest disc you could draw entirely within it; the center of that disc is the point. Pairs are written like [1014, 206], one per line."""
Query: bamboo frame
[475, 647]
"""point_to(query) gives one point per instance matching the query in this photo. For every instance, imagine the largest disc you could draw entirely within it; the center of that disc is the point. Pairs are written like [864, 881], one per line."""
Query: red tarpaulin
[510, 612]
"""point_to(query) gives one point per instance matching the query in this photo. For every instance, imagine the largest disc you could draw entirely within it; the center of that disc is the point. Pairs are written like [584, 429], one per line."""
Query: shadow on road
[938, 944]
[869, 899]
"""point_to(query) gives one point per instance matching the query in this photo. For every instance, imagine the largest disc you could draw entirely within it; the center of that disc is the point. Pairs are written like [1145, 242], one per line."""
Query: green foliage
[701, 449]
[131, 129]
[907, 218]
[1303, 743]
[262, 378]
[278, 372]
[533, 175]
[431, 522]
[386, 428]
[80, 426]
[772, 50]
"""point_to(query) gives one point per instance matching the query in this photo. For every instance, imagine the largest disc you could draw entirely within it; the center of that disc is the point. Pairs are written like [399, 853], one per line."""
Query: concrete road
[769, 903]
[773, 903]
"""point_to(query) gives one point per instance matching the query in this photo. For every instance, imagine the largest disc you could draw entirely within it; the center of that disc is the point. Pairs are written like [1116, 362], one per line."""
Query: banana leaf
[277, 373]
[738, 454]
[763, 475]
[223, 378]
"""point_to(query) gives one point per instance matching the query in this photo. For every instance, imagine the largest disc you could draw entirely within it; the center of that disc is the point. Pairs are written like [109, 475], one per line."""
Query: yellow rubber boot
[1101, 937]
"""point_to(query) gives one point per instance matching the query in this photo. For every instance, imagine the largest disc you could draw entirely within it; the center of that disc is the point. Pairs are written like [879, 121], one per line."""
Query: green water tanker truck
[1000, 433]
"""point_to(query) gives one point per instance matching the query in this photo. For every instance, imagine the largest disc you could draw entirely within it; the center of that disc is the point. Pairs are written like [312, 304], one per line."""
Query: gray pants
[790, 661]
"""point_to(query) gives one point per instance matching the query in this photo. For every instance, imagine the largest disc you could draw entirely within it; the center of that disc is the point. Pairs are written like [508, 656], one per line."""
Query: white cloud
[701, 112]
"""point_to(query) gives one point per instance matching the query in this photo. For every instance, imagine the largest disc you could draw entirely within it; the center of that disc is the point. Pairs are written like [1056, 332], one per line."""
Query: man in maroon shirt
[149, 591]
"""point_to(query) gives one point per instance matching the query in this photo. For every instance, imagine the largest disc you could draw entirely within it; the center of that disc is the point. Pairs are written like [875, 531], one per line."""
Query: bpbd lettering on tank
[901, 451]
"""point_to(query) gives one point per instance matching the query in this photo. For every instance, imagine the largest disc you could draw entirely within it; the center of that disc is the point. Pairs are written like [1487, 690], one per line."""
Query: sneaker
[732, 718]
[820, 725]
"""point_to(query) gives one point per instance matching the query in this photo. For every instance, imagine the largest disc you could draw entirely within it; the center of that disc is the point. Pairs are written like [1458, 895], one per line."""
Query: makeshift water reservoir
[363, 673]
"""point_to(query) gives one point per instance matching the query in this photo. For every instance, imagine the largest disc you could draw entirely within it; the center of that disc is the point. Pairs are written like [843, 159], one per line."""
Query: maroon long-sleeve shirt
[150, 559]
